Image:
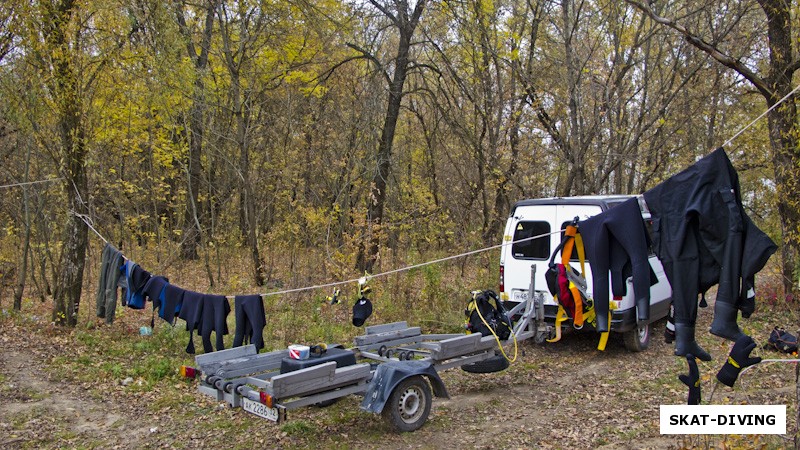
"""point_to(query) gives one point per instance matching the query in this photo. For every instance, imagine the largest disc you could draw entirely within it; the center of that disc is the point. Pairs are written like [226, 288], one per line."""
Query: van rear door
[516, 259]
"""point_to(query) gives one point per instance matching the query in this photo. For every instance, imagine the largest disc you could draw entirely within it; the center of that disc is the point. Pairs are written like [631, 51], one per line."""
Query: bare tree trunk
[406, 24]
[71, 154]
[241, 113]
[192, 229]
[23, 260]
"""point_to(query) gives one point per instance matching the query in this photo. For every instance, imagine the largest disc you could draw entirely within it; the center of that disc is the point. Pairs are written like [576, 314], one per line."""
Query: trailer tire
[637, 339]
[326, 403]
[409, 404]
[490, 365]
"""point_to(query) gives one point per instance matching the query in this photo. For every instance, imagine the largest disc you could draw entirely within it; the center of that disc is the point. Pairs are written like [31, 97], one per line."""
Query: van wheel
[637, 339]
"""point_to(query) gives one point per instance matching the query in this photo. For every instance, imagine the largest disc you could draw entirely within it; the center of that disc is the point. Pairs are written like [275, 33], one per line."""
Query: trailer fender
[389, 374]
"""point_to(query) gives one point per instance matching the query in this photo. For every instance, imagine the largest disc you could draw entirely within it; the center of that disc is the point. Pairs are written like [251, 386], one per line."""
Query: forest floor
[59, 389]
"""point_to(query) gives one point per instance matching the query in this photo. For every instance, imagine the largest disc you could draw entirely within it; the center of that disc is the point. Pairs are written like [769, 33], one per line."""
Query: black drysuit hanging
[700, 232]
[205, 313]
[250, 320]
[613, 239]
[191, 312]
[214, 318]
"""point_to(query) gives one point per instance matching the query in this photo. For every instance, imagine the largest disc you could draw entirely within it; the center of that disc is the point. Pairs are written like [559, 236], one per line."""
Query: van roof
[605, 201]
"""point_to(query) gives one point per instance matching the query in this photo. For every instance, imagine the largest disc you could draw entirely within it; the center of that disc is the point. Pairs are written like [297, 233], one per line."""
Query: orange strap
[572, 232]
[576, 297]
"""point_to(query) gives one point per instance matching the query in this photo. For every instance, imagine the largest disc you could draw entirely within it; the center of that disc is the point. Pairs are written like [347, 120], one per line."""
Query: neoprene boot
[724, 323]
[601, 324]
[747, 300]
[685, 343]
[643, 309]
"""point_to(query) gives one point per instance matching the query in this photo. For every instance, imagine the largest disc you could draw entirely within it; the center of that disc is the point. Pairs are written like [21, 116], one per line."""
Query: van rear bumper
[621, 320]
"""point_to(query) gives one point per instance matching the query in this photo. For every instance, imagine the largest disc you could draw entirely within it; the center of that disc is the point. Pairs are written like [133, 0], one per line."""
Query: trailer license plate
[260, 409]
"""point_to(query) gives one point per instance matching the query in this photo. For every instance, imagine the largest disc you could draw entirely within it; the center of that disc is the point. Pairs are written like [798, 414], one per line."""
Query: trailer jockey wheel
[381, 350]
[402, 356]
[409, 404]
[389, 353]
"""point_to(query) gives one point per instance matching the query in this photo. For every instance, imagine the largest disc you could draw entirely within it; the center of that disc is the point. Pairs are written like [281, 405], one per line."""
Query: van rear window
[532, 248]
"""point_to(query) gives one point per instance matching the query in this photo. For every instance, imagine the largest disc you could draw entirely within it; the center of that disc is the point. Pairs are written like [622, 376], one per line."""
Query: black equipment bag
[782, 341]
[493, 312]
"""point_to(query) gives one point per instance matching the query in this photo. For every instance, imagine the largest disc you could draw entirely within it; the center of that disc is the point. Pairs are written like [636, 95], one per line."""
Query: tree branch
[371, 57]
[709, 49]
[385, 11]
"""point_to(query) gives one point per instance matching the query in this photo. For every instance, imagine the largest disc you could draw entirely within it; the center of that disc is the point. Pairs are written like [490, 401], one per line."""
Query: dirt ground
[562, 395]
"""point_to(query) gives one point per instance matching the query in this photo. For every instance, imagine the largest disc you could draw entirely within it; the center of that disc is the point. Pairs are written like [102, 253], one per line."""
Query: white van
[536, 217]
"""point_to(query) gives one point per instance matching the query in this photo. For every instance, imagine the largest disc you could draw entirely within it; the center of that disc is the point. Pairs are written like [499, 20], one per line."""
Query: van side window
[649, 225]
[533, 248]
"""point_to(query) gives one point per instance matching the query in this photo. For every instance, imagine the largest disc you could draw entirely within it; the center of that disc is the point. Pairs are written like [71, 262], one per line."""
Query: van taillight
[502, 278]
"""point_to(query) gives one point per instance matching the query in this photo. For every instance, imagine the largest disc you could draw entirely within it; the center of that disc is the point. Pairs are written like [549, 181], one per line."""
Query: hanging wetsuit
[699, 235]
[613, 239]
[214, 318]
[758, 247]
[172, 304]
[136, 278]
[191, 312]
[110, 263]
[156, 290]
[250, 320]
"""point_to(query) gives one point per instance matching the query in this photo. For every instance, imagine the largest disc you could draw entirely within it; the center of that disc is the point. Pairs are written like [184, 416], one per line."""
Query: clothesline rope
[354, 280]
[25, 183]
[460, 255]
[411, 267]
[87, 221]
[753, 122]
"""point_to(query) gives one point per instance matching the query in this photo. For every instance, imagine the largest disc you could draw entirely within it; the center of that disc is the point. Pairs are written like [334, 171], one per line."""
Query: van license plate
[520, 296]
[260, 409]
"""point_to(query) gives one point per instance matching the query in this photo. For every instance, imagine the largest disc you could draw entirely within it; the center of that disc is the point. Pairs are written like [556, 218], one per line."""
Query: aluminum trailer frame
[244, 378]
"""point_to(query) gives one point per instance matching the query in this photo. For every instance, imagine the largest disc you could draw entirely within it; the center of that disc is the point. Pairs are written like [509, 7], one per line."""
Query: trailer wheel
[409, 404]
[490, 365]
[637, 339]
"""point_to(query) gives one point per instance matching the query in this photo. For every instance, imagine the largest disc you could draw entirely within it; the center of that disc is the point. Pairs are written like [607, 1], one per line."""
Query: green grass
[299, 428]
